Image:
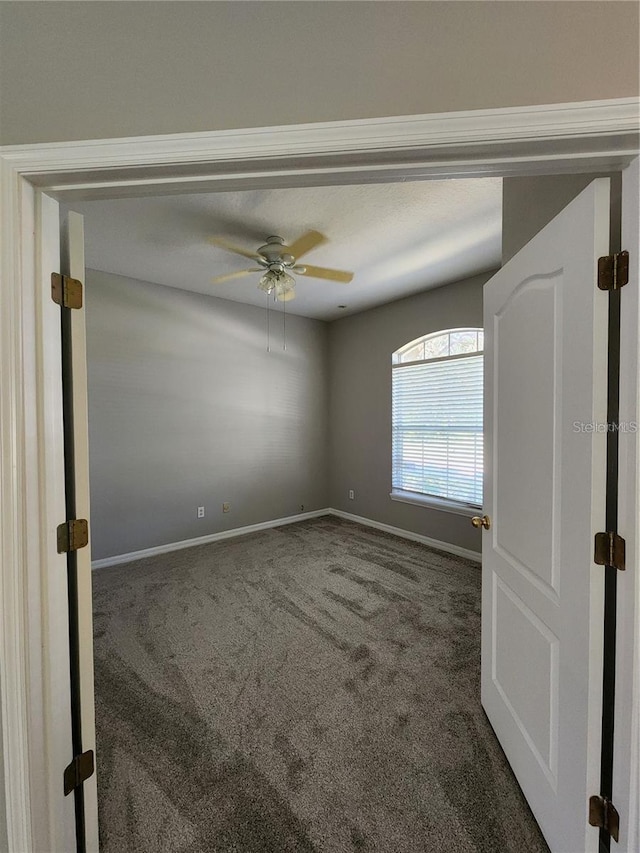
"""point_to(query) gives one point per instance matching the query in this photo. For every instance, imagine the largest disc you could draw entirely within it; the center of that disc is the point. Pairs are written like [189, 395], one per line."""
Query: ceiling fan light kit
[278, 282]
[279, 260]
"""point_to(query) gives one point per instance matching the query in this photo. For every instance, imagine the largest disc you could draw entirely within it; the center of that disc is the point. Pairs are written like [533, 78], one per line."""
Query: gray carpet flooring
[313, 687]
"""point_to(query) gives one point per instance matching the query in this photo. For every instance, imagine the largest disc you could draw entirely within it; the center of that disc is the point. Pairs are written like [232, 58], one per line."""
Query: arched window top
[438, 345]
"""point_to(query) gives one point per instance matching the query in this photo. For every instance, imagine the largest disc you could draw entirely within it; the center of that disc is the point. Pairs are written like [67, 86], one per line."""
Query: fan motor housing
[272, 251]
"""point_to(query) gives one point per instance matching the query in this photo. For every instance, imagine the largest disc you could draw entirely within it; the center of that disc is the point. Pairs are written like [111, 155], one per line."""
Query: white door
[61, 249]
[542, 596]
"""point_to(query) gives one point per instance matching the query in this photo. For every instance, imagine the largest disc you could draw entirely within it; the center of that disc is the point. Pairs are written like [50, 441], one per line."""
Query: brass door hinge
[613, 271]
[80, 769]
[66, 291]
[603, 813]
[610, 550]
[72, 535]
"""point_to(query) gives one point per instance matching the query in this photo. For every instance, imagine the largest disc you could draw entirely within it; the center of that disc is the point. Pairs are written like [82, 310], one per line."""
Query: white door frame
[553, 139]
[626, 755]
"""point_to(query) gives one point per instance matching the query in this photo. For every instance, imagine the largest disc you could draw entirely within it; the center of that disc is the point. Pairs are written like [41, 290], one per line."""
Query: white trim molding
[583, 136]
[447, 547]
[431, 502]
[281, 522]
[205, 540]
[16, 420]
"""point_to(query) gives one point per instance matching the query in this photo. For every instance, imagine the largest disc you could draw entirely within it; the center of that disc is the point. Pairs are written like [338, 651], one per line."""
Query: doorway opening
[143, 339]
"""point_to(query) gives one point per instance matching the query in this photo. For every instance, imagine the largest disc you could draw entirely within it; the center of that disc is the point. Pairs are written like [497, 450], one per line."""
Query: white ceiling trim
[567, 121]
[513, 140]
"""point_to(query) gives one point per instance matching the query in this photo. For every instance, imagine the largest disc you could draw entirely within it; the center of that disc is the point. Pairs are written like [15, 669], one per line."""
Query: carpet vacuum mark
[312, 688]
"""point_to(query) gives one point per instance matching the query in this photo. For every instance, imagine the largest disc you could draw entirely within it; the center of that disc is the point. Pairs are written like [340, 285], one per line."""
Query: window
[437, 419]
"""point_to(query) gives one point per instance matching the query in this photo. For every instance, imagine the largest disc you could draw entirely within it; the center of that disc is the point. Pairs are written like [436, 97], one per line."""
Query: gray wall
[530, 203]
[360, 349]
[188, 409]
[107, 69]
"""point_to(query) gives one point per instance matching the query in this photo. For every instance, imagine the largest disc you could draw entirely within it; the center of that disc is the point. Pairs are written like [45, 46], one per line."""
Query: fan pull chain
[268, 329]
[284, 326]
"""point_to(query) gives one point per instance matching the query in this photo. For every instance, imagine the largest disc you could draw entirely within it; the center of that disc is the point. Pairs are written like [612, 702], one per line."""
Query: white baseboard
[279, 522]
[407, 534]
[204, 540]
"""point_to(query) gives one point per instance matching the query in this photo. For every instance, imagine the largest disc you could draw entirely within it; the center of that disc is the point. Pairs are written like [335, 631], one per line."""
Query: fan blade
[223, 243]
[323, 272]
[231, 275]
[306, 243]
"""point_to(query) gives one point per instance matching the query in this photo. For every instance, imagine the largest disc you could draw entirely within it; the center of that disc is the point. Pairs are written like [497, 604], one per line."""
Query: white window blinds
[437, 428]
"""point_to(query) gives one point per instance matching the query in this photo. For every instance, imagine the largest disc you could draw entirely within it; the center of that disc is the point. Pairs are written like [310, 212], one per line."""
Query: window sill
[435, 503]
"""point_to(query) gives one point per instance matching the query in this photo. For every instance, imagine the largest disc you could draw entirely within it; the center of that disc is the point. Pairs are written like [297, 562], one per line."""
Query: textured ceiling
[398, 239]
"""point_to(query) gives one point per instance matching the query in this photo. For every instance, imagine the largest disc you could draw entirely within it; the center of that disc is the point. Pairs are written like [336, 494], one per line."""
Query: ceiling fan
[277, 260]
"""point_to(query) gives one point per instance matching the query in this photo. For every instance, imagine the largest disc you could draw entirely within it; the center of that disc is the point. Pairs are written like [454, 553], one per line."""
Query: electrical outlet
[352, 495]
[301, 507]
[226, 507]
[200, 512]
